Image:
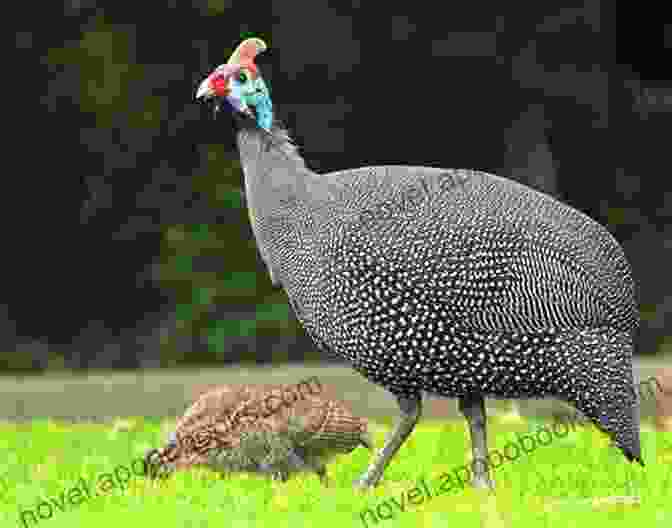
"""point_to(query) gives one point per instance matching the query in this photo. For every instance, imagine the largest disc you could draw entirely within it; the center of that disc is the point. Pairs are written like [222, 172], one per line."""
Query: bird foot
[366, 482]
[322, 475]
[483, 482]
[361, 485]
[280, 476]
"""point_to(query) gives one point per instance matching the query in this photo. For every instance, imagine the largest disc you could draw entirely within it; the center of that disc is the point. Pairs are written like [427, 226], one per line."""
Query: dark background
[125, 239]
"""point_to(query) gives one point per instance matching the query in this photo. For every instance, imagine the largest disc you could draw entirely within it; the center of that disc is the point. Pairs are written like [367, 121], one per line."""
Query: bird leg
[411, 410]
[473, 409]
[269, 468]
[296, 462]
[280, 469]
[280, 476]
[366, 440]
[322, 474]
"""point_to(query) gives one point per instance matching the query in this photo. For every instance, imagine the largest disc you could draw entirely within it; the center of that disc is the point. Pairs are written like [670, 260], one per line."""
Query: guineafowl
[271, 429]
[456, 283]
[282, 453]
[263, 451]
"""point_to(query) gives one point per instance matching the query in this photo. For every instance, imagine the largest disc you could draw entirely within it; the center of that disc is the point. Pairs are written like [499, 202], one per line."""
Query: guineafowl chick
[283, 453]
[260, 451]
[272, 429]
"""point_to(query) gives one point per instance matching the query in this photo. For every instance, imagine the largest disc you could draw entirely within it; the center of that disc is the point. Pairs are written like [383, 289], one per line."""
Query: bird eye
[242, 77]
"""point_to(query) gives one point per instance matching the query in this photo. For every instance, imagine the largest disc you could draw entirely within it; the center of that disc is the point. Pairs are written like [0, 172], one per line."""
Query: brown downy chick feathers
[276, 429]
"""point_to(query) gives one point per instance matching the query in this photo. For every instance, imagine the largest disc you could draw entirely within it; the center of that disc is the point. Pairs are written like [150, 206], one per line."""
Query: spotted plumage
[452, 282]
[272, 429]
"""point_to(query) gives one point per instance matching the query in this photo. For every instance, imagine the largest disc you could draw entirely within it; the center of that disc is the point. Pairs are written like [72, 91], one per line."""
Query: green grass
[556, 485]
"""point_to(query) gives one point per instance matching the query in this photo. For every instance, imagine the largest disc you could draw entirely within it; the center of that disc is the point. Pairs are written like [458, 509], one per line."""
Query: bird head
[239, 87]
[157, 461]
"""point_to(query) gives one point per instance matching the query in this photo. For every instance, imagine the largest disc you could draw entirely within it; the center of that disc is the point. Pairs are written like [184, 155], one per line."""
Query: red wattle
[220, 85]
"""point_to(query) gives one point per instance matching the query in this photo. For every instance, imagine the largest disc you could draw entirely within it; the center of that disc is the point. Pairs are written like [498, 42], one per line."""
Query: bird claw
[483, 483]
[280, 476]
[363, 484]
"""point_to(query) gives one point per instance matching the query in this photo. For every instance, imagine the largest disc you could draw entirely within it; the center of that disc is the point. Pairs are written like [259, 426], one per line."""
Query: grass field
[566, 483]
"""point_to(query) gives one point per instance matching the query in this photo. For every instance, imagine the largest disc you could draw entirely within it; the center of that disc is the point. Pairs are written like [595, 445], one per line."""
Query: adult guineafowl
[457, 283]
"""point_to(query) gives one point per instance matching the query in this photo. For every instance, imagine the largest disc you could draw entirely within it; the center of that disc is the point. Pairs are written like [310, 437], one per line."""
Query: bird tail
[612, 403]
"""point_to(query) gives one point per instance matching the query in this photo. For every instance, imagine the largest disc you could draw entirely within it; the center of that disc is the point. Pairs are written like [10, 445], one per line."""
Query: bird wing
[483, 250]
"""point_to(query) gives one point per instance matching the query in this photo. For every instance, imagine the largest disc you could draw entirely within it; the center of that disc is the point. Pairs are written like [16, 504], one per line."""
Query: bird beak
[151, 463]
[205, 91]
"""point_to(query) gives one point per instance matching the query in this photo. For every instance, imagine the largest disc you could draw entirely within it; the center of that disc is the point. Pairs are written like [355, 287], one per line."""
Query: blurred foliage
[217, 7]
[215, 303]
[238, 282]
[147, 237]
[112, 85]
